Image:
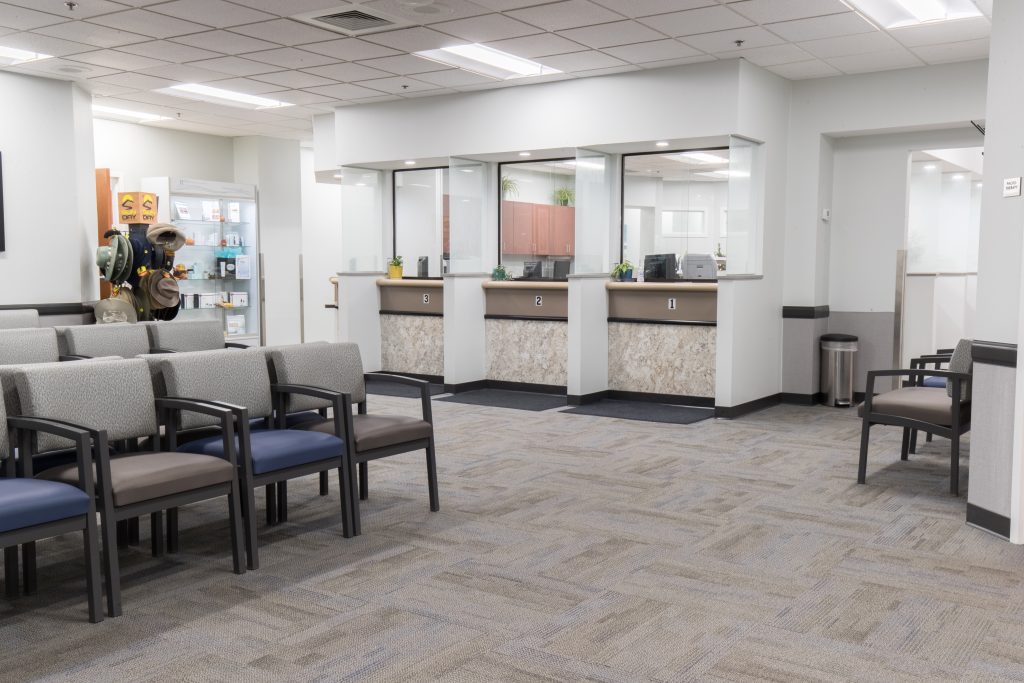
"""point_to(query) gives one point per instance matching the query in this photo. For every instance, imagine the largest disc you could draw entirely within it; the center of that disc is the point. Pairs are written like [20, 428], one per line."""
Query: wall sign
[426, 298]
[538, 300]
[1011, 187]
[671, 303]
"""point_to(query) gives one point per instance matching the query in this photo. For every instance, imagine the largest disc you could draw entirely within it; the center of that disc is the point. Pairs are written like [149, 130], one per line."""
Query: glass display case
[221, 255]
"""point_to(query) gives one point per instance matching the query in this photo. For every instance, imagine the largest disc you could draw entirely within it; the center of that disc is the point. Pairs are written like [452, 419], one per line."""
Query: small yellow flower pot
[394, 272]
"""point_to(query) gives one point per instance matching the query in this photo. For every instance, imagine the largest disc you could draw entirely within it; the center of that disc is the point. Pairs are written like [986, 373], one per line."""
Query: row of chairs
[148, 435]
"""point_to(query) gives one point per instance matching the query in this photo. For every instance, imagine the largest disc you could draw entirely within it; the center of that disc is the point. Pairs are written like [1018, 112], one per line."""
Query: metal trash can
[837, 351]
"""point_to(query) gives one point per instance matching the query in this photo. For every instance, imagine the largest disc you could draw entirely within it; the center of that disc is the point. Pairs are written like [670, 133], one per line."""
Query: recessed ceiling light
[196, 91]
[139, 116]
[661, 143]
[487, 61]
[524, 154]
[410, 163]
[12, 56]
[929, 167]
[900, 13]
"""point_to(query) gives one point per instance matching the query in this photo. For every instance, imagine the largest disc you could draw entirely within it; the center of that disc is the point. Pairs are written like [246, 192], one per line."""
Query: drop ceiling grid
[124, 49]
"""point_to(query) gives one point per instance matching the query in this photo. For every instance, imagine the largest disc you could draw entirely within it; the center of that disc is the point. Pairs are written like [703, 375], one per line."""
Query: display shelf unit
[222, 254]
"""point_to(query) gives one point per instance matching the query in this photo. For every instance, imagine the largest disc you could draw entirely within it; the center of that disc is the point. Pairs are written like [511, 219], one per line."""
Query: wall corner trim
[988, 521]
[994, 353]
[805, 312]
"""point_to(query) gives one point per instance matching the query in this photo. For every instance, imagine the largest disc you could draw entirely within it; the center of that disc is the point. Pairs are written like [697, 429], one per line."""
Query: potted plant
[395, 268]
[622, 271]
[499, 273]
[564, 196]
[509, 187]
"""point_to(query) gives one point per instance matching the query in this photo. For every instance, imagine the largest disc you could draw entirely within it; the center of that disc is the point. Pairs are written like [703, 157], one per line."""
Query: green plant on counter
[718, 252]
[622, 271]
[396, 261]
[564, 196]
[499, 273]
[509, 187]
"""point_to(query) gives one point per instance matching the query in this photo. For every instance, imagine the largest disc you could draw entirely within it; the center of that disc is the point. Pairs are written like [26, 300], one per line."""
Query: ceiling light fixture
[487, 61]
[661, 143]
[900, 13]
[12, 56]
[723, 174]
[339, 176]
[138, 116]
[697, 157]
[524, 154]
[206, 93]
[958, 176]
[929, 167]
[410, 163]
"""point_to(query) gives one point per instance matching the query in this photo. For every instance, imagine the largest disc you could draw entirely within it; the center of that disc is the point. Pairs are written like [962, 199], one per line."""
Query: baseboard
[731, 412]
[672, 399]
[433, 379]
[465, 386]
[508, 386]
[799, 399]
[988, 520]
[584, 399]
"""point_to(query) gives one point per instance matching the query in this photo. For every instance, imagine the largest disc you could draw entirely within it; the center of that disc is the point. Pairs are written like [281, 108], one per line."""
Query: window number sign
[538, 300]
[671, 303]
[426, 298]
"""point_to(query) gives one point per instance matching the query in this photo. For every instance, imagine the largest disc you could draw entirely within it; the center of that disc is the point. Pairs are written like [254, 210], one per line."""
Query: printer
[699, 267]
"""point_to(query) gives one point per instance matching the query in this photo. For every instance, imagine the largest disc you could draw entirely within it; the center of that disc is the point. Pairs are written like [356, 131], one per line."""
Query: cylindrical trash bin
[837, 351]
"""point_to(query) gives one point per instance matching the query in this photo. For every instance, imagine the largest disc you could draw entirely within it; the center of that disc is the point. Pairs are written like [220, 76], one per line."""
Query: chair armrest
[82, 436]
[342, 403]
[178, 405]
[72, 357]
[423, 385]
[235, 345]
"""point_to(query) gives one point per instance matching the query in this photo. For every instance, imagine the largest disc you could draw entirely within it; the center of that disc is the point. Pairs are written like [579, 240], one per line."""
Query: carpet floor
[643, 411]
[503, 398]
[568, 548]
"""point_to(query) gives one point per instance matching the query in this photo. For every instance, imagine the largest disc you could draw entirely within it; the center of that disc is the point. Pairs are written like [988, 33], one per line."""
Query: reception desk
[412, 327]
[527, 333]
[662, 340]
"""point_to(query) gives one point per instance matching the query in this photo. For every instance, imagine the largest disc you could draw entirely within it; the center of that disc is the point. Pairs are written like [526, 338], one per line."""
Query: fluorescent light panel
[207, 93]
[697, 158]
[487, 61]
[12, 56]
[900, 13]
[140, 116]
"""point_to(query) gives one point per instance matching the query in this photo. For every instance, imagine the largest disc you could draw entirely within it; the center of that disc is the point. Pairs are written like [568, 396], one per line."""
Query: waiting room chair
[32, 510]
[188, 335]
[369, 436]
[943, 411]
[127, 340]
[114, 401]
[16, 318]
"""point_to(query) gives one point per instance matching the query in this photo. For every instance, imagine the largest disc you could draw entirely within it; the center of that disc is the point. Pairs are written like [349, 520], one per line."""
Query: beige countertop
[419, 284]
[663, 286]
[525, 284]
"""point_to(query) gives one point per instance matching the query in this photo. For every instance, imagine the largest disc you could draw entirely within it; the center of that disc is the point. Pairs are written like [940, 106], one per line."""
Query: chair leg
[913, 441]
[92, 570]
[235, 517]
[11, 571]
[435, 503]
[928, 437]
[347, 475]
[172, 530]
[862, 468]
[271, 492]
[954, 465]
[282, 501]
[112, 569]
[156, 533]
[251, 545]
[122, 533]
[28, 567]
[133, 531]
[905, 448]
[364, 481]
[324, 483]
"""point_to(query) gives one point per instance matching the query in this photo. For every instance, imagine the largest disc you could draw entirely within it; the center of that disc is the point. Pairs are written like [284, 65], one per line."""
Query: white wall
[49, 192]
[321, 250]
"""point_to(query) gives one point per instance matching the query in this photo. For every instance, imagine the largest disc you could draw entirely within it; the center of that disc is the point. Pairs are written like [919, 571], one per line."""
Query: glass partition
[594, 185]
[537, 223]
[422, 221]
[468, 202]
[362, 219]
[745, 235]
[944, 211]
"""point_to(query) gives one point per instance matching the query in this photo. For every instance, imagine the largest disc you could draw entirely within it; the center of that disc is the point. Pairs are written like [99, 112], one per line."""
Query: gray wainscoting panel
[529, 351]
[412, 344]
[875, 331]
[662, 359]
[992, 423]
[801, 357]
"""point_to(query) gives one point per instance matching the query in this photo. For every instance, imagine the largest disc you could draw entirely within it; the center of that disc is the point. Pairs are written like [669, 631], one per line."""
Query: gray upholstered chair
[114, 402]
[188, 335]
[29, 345]
[31, 509]
[18, 318]
[239, 380]
[338, 367]
[944, 411]
[127, 340]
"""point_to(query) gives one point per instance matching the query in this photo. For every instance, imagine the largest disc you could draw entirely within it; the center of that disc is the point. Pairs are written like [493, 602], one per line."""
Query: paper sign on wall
[1011, 187]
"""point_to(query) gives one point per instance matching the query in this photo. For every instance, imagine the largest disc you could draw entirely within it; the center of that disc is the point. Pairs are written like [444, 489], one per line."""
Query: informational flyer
[243, 269]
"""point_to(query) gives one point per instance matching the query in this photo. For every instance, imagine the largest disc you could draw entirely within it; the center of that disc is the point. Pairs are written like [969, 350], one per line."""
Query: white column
[588, 336]
[465, 339]
[359, 315]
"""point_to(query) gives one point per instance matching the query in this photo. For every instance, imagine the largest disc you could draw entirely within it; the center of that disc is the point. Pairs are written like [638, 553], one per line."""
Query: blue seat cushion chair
[294, 420]
[28, 502]
[935, 382]
[276, 449]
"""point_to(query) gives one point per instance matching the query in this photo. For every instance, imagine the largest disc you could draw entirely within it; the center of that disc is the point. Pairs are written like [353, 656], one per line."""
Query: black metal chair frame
[952, 432]
[936, 360]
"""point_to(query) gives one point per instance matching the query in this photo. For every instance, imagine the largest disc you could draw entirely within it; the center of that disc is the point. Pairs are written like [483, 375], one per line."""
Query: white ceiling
[124, 50]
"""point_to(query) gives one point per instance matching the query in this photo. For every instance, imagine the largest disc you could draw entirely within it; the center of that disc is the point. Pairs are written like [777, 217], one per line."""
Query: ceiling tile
[289, 58]
[344, 91]
[136, 81]
[953, 52]
[184, 73]
[236, 66]
[350, 49]
[607, 72]
[723, 41]
[83, 10]
[403, 64]
[25, 19]
[644, 8]
[346, 73]
[299, 97]
[695, 21]
[452, 78]
[876, 61]
[45, 44]
[943, 32]
[582, 61]
[814, 68]
[677, 62]
[294, 79]
[822, 27]
[169, 52]
[246, 85]
[771, 55]
[486, 28]
[212, 12]
[769, 11]
[225, 42]
[615, 33]
[505, 5]
[413, 39]
[67, 70]
[398, 85]
[429, 93]
[567, 14]
[148, 23]
[289, 7]
[841, 46]
[92, 34]
[121, 61]
[539, 45]
[653, 51]
[285, 32]
[106, 89]
[426, 13]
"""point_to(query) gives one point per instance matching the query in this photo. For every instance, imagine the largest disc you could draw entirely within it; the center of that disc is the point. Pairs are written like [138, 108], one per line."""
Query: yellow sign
[137, 207]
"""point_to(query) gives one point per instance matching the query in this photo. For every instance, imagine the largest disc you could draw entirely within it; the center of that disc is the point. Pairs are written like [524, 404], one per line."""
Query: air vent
[352, 20]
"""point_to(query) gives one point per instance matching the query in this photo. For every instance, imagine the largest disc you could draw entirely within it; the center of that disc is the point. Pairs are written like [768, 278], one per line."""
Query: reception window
[538, 218]
[421, 215]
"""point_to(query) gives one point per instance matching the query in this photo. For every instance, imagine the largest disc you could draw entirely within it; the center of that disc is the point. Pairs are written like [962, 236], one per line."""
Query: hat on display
[114, 259]
[166, 313]
[162, 289]
[165, 235]
[115, 310]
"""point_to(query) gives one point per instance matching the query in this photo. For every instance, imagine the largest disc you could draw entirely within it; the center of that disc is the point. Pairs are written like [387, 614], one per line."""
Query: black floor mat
[382, 388]
[641, 410]
[502, 398]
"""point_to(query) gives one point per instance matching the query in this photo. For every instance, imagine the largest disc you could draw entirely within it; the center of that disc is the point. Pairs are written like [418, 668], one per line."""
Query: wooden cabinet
[522, 228]
[542, 226]
[563, 231]
[537, 229]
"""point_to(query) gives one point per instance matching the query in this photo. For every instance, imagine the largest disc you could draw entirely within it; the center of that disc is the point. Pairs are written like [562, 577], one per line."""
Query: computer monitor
[660, 267]
[561, 270]
[532, 270]
[423, 266]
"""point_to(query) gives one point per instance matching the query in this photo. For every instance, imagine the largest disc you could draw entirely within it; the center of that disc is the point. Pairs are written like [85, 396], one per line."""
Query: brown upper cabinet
[537, 229]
